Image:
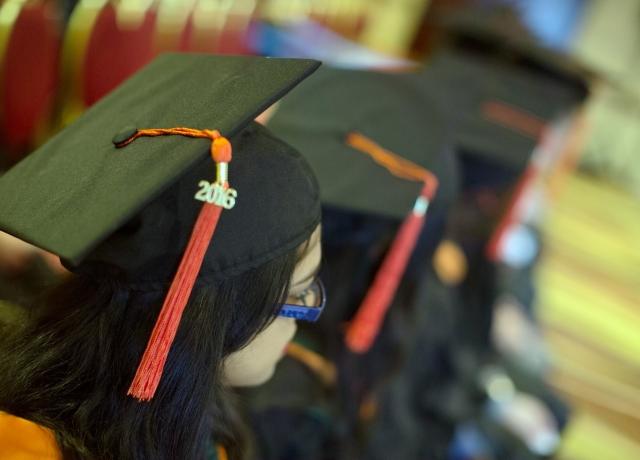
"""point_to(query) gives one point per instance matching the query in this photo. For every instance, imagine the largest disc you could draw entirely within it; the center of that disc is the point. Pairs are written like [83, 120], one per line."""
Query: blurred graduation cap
[103, 194]
[320, 117]
[499, 112]
[378, 148]
[499, 31]
[503, 86]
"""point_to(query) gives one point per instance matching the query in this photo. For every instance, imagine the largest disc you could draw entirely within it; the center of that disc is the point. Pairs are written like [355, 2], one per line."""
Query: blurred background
[561, 74]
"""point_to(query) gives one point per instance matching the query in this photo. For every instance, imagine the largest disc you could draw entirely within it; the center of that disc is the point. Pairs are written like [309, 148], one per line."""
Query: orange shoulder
[21, 439]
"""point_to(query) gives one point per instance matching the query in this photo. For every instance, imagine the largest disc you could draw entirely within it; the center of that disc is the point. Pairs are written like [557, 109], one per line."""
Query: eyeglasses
[312, 302]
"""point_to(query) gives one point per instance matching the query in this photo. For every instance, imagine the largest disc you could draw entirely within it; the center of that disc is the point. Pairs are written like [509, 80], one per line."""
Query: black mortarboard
[504, 87]
[395, 114]
[500, 32]
[132, 209]
[351, 125]
[499, 111]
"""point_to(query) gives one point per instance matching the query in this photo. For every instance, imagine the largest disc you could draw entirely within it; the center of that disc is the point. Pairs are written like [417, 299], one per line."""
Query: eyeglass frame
[303, 312]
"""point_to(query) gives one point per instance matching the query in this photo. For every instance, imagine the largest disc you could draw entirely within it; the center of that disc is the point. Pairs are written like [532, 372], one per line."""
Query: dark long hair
[69, 368]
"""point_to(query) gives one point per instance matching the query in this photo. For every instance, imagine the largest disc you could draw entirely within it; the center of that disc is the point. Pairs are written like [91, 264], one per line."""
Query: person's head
[71, 368]
[151, 260]
[80, 350]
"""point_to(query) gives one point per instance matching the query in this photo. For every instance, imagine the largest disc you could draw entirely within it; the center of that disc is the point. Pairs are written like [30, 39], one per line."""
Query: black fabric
[78, 188]
[293, 434]
[419, 407]
[396, 115]
[133, 208]
[293, 415]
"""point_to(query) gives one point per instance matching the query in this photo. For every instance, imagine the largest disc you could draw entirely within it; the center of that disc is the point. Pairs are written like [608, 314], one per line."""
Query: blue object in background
[554, 22]
[308, 39]
[469, 444]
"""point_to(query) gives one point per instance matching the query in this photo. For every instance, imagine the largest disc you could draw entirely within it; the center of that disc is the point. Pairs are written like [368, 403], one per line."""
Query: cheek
[289, 327]
[284, 329]
[255, 363]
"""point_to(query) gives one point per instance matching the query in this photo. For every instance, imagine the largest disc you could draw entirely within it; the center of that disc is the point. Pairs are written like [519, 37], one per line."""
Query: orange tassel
[364, 327]
[150, 369]
[149, 372]
[324, 369]
[366, 324]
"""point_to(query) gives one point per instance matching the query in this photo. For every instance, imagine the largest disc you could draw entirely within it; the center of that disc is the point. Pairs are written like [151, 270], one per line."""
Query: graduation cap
[499, 31]
[504, 87]
[499, 112]
[378, 148]
[130, 186]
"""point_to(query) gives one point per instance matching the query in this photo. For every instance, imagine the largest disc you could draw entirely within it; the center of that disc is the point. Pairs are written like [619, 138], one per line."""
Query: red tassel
[367, 322]
[149, 372]
[365, 326]
[494, 247]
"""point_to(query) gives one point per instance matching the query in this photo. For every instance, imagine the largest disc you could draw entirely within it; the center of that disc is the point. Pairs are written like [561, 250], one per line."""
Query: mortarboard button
[126, 133]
